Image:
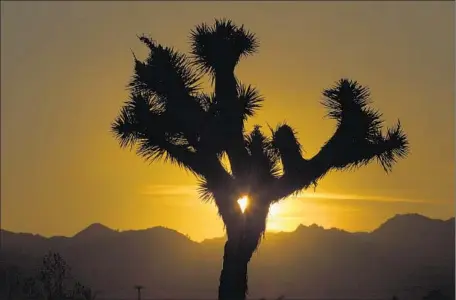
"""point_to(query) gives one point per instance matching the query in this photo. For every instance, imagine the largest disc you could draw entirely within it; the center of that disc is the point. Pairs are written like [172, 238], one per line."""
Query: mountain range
[406, 256]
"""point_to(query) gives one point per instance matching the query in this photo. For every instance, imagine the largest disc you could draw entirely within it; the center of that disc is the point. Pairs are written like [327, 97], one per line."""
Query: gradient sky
[65, 65]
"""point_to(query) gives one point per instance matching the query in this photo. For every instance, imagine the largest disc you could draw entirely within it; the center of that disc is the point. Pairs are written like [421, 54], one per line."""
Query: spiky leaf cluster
[359, 137]
[221, 46]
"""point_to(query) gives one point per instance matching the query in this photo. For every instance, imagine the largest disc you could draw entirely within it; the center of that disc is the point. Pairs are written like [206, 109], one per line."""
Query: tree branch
[217, 50]
[143, 123]
[357, 140]
[169, 76]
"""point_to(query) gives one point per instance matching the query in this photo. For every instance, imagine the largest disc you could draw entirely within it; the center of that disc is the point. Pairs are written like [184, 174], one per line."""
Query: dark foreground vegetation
[54, 281]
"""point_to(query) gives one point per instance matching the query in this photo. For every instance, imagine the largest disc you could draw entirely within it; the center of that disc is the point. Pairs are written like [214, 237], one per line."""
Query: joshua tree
[169, 117]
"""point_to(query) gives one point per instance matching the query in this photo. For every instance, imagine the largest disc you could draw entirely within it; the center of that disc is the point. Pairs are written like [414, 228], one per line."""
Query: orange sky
[65, 65]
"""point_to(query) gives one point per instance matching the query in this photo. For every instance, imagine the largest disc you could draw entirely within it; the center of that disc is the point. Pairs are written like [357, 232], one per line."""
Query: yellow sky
[65, 66]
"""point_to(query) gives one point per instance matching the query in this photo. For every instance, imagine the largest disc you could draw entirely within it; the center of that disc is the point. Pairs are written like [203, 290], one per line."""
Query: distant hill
[406, 256]
[94, 231]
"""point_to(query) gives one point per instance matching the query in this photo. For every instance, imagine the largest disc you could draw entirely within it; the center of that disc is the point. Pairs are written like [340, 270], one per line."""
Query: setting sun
[243, 202]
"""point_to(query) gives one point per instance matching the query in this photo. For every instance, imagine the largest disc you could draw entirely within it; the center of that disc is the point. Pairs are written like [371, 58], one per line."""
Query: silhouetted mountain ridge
[310, 262]
[406, 222]
[95, 230]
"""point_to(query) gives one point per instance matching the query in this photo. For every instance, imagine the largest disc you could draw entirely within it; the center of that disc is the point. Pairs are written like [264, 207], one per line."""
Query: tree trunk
[233, 278]
[237, 254]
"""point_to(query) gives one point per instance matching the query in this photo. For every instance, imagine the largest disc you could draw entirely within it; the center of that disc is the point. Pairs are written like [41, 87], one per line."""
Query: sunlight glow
[243, 202]
[274, 209]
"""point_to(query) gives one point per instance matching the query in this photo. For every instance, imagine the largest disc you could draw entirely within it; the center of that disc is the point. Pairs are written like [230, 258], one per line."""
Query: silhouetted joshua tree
[169, 117]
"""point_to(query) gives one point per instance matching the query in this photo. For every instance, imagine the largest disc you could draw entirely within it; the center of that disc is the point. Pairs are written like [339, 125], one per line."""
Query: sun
[243, 202]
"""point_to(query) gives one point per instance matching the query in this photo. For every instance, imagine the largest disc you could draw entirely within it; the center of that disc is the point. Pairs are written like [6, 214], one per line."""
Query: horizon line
[217, 237]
